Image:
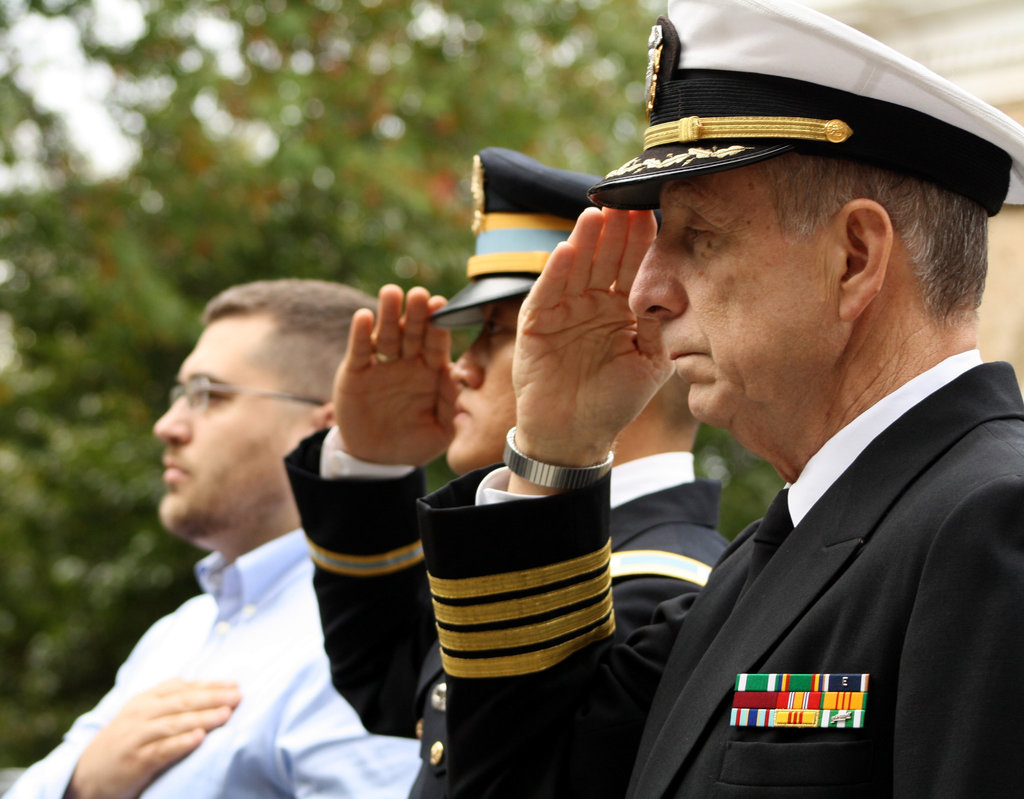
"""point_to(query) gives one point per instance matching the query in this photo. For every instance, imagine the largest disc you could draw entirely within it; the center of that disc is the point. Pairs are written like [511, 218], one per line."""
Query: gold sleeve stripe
[366, 565]
[524, 607]
[654, 563]
[527, 662]
[691, 129]
[527, 634]
[472, 587]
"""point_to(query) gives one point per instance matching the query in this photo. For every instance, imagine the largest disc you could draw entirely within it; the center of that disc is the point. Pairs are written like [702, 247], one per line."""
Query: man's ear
[865, 237]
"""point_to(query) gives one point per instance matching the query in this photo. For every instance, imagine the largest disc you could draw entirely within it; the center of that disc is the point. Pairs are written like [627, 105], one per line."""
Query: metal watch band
[549, 475]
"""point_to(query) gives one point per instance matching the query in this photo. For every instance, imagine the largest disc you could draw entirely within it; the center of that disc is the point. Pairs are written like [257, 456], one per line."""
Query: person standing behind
[230, 695]
[399, 401]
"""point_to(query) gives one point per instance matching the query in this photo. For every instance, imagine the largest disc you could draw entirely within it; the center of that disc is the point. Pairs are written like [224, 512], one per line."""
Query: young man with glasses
[230, 695]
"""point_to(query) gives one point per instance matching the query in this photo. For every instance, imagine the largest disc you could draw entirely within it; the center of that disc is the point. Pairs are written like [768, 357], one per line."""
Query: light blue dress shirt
[292, 735]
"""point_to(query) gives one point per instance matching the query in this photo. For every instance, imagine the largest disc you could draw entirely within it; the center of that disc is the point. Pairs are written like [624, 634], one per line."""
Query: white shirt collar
[642, 476]
[253, 575]
[829, 462]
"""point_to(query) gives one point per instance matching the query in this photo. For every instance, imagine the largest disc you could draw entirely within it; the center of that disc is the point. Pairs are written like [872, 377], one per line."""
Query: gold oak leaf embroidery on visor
[682, 159]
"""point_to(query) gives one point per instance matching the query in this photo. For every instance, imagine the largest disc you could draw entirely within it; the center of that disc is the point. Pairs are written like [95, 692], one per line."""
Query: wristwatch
[549, 475]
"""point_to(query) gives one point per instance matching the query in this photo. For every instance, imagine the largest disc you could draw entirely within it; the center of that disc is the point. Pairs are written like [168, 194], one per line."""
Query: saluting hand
[585, 366]
[393, 395]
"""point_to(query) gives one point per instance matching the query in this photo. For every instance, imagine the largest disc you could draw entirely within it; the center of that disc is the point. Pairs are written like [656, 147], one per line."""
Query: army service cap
[523, 209]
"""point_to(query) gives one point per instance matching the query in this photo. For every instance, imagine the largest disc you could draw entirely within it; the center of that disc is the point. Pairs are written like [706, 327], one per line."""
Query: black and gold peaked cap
[735, 82]
[523, 209]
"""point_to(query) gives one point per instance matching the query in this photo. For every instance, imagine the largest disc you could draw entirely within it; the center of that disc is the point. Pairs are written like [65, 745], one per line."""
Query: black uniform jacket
[379, 629]
[909, 569]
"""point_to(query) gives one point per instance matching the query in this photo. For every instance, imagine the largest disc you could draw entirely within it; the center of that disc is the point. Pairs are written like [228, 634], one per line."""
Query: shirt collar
[636, 478]
[829, 462]
[253, 575]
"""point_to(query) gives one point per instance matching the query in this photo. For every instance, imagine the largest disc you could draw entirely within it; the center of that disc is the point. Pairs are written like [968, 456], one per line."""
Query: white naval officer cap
[734, 82]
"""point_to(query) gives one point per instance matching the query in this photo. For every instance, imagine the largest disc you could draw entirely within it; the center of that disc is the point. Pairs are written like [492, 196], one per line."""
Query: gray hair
[945, 234]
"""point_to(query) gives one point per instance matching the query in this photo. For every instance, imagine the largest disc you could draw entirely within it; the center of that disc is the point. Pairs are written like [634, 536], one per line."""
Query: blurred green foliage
[328, 139]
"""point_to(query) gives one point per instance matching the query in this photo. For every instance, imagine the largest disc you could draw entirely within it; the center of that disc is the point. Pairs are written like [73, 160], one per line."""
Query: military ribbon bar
[841, 719]
[802, 682]
[837, 719]
[800, 700]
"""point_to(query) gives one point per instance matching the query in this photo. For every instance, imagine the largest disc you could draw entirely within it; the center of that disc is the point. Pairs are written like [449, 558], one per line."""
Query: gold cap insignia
[654, 46]
[477, 188]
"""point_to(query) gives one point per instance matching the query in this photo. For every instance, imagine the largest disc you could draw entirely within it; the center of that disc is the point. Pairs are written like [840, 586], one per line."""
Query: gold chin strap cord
[690, 129]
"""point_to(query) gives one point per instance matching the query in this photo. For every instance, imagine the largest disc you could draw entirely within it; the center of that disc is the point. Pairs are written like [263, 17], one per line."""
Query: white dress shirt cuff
[493, 489]
[336, 464]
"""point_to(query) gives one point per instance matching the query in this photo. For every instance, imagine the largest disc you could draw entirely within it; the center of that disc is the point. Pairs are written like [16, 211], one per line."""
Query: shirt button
[249, 611]
[439, 697]
[419, 729]
[222, 628]
[436, 753]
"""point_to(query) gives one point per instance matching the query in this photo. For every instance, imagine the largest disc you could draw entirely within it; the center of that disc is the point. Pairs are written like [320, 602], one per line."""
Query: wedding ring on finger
[382, 358]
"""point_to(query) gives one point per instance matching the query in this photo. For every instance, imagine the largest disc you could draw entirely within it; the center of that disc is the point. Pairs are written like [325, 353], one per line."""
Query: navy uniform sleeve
[370, 584]
[523, 603]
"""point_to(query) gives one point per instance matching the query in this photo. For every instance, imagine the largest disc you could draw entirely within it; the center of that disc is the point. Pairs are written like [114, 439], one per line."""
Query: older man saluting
[815, 279]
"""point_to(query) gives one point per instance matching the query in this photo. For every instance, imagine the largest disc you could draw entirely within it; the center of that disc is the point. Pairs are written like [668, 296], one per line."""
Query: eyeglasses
[197, 390]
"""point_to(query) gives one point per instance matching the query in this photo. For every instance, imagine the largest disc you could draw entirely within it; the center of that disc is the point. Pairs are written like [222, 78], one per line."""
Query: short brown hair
[946, 234]
[312, 319]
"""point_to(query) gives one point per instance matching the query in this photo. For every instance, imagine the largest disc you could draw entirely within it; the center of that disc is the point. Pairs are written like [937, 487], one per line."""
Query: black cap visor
[465, 308]
[637, 184]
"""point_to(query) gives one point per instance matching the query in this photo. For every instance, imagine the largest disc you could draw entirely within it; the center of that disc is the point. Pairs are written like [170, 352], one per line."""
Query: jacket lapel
[739, 635]
[724, 636]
